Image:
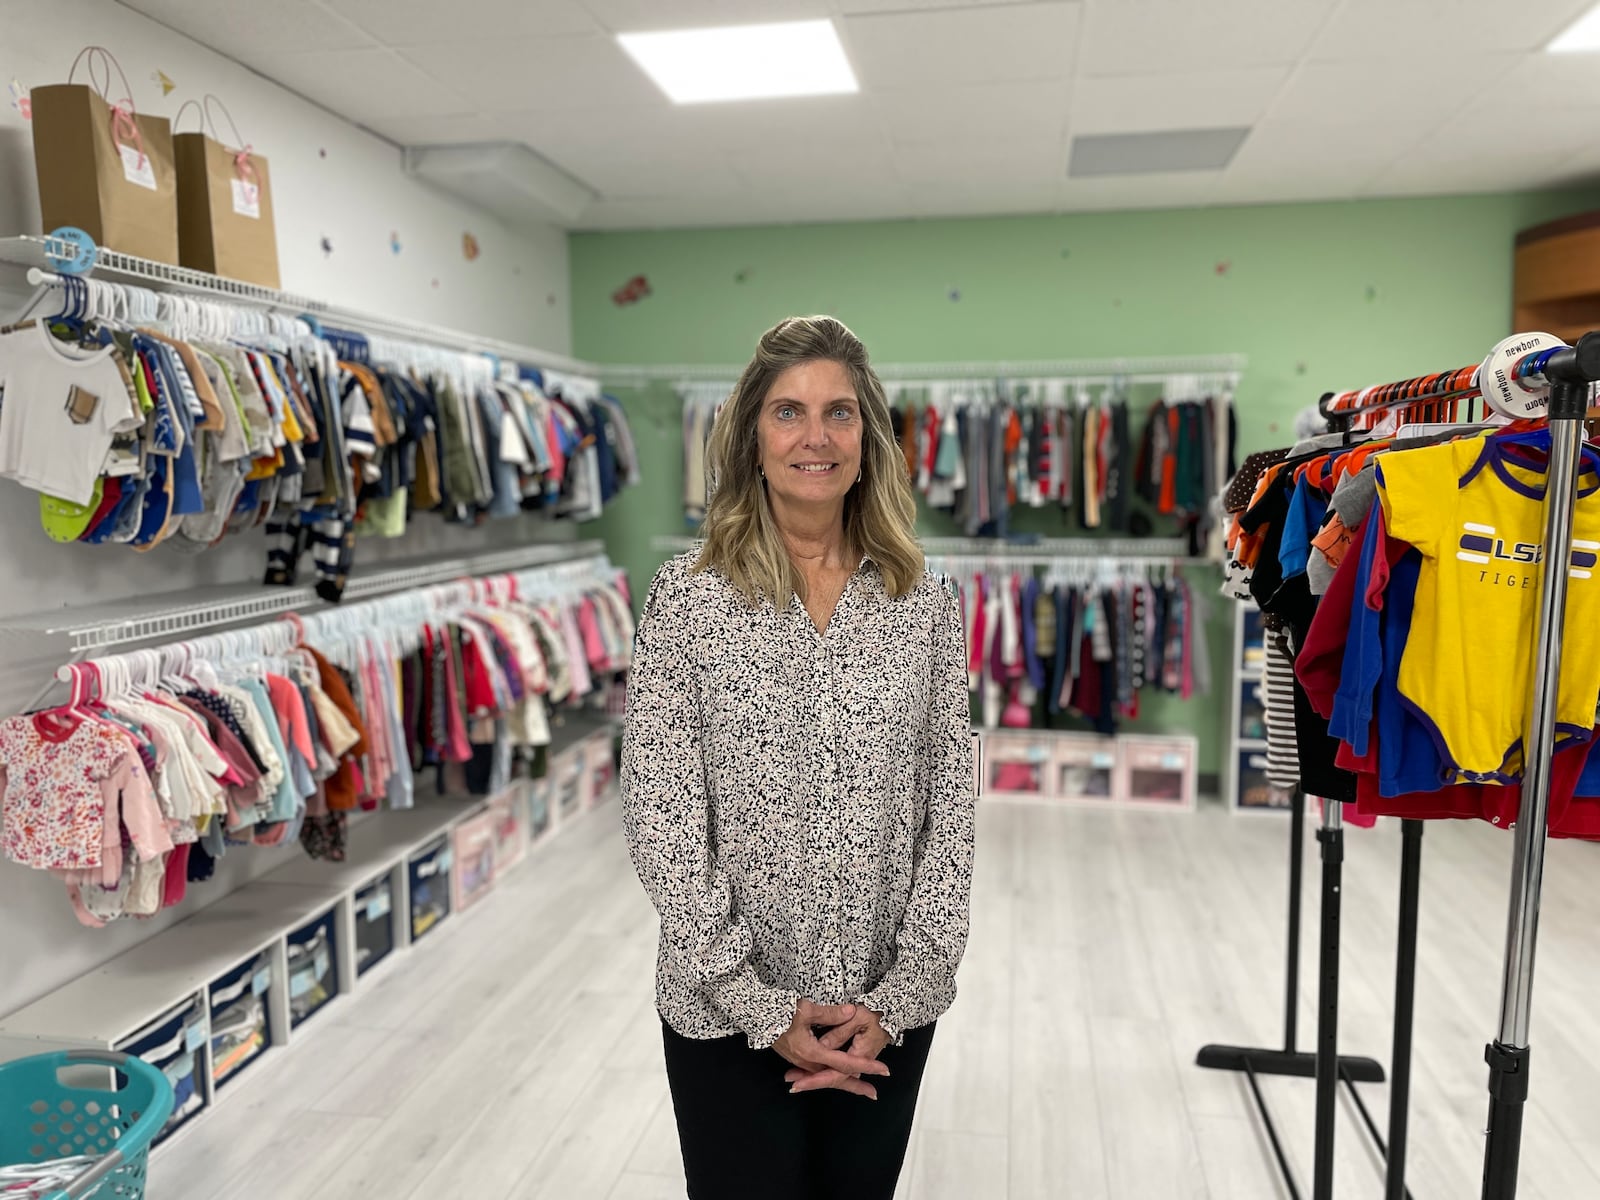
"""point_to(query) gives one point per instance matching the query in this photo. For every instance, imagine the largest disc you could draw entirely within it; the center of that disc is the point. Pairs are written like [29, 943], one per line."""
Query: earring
[859, 474]
[762, 470]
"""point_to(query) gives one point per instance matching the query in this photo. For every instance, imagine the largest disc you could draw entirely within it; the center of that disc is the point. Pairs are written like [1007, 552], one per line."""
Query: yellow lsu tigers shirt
[1475, 510]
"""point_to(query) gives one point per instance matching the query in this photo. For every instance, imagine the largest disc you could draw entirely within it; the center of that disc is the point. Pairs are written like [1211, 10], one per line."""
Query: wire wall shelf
[79, 631]
[35, 253]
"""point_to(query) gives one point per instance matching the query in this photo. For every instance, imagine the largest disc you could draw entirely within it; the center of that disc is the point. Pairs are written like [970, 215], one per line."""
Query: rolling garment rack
[1567, 373]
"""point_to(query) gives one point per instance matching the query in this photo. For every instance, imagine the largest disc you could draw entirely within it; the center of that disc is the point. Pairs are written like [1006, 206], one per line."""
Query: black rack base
[1300, 1064]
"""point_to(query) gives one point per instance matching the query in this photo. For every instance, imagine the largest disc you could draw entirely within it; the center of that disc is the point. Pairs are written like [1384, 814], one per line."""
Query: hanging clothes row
[145, 419]
[1378, 561]
[701, 404]
[163, 760]
[1051, 643]
[979, 453]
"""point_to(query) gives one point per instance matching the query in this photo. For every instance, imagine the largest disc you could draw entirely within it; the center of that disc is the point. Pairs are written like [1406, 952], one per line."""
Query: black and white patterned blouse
[799, 806]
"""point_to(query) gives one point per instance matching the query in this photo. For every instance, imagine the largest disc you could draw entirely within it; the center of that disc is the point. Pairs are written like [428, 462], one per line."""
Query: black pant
[744, 1137]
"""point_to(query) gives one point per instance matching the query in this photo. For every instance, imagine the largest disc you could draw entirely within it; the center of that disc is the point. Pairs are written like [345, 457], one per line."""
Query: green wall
[1318, 296]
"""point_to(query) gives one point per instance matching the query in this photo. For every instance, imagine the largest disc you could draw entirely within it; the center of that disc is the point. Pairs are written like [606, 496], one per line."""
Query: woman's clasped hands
[839, 1057]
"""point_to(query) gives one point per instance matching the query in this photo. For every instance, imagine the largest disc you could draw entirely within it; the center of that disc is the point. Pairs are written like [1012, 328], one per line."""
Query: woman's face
[809, 436]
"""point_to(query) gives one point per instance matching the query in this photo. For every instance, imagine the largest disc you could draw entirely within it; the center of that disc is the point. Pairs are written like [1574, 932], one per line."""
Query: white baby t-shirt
[59, 411]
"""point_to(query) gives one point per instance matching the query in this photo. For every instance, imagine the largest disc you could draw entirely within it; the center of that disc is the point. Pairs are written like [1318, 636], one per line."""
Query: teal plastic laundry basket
[43, 1117]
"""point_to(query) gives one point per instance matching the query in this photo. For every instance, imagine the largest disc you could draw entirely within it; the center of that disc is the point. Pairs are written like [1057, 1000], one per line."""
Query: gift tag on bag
[137, 167]
[247, 199]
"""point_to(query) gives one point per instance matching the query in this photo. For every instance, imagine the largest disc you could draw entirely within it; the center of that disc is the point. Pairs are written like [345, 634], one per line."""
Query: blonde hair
[741, 537]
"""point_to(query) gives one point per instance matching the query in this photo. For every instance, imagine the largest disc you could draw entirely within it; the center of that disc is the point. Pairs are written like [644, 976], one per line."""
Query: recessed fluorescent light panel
[1146, 153]
[744, 62]
[1583, 35]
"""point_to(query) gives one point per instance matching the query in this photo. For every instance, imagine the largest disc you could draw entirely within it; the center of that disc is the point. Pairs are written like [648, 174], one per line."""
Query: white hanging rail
[34, 252]
[1084, 370]
[100, 626]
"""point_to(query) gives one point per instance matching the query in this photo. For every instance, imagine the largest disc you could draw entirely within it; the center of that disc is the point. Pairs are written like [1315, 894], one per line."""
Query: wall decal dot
[550, 299]
[435, 283]
[323, 153]
[1300, 368]
[165, 80]
[1065, 253]
[1222, 268]
[635, 290]
[21, 101]
[1372, 293]
[954, 295]
[742, 275]
[1116, 304]
[394, 242]
[469, 247]
[327, 246]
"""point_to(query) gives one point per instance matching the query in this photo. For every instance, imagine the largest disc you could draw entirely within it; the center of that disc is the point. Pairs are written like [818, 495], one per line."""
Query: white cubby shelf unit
[311, 935]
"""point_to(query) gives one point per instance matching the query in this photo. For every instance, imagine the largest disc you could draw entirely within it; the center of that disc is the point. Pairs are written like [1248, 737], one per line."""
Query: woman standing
[797, 789]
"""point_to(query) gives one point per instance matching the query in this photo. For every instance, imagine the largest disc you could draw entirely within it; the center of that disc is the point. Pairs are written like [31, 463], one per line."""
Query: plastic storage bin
[602, 767]
[473, 857]
[45, 1117]
[1084, 770]
[1159, 772]
[1018, 765]
[240, 1031]
[374, 910]
[313, 968]
[175, 1044]
[569, 778]
[509, 812]
[540, 813]
[1255, 793]
[430, 888]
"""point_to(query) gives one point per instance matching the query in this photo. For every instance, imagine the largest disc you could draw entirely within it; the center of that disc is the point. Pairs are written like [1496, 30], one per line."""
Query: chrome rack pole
[1569, 373]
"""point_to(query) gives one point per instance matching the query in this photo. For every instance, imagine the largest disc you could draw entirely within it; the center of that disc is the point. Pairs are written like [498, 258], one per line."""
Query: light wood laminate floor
[518, 1055]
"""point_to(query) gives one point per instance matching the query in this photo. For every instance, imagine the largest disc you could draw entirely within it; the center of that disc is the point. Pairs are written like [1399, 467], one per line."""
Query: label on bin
[194, 1036]
[1172, 762]
[301, 983]
[1101, 761]
[1037, 753]
[179, 1069]
[319, 963]
[261, 981]
[445, 859]
[378, 906]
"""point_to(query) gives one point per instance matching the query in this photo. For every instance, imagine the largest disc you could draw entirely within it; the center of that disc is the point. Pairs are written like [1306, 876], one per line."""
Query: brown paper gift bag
[103, 167]
[224, 204]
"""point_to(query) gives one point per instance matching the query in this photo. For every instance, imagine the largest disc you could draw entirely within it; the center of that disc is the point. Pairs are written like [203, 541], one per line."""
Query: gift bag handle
[243, 151]
[99, 55]
[124, 129]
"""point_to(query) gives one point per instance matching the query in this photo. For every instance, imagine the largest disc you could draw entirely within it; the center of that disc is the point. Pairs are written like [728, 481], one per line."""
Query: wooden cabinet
[1557, 277]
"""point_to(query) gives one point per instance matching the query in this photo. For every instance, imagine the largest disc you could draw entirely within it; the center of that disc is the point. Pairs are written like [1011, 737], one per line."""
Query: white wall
[355, 196]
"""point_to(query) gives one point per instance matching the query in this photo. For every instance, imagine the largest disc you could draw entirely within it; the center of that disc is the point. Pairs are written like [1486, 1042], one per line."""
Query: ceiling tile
[646, 16]
[532, 74]
[845, 167]
[985, 197]
[639, 128]
[362, 84]
[662, 175]
[776, 126]
[1539, 82]
[855, 7]
[427, 22]
[1143, 37]
[1197, 100]
[974, 111]
[1328, 93]
[1175, 190]
[1417, 177]
[1490, 130]
[965, 45]
[1390, 29]
[439, 130]
[1350, 153]
[248, 29]
[956, 163]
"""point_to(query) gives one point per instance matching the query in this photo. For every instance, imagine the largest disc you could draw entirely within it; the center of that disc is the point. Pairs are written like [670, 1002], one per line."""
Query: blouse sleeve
[665, 819]
[920, 985]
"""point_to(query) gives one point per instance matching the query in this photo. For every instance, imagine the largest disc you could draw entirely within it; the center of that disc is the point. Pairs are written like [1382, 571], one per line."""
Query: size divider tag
[1518, 399]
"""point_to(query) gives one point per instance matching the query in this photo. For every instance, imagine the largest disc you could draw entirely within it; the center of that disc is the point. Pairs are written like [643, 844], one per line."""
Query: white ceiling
[966, 106]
